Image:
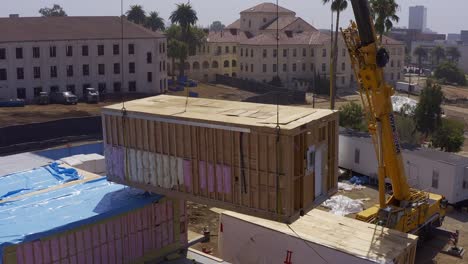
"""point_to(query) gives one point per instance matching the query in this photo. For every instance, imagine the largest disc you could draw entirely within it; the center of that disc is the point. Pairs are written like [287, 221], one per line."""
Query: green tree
[351, 116]
[276, 81]
[185, 17]
[176, 49]
[55, 11]
[406, 128]
[337, 6]
[384, 13]
[136, 14]
[438, 53]
[428, 111]
[449, 136]
[421, 53]
[320, 85]
[154, 22]
[217, 26]
[449, 72]
[454, 54]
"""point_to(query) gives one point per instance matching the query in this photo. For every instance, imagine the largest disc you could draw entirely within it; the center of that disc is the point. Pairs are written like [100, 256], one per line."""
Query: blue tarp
[54, 212]
[36, 179]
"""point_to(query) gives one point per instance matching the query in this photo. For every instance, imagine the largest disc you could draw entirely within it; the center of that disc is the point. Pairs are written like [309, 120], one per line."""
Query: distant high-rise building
[417, 18]
[464, 36]
[453, 37]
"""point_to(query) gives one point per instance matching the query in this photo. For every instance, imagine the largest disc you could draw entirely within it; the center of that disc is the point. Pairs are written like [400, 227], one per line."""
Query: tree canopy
[421, 53]
[448, 72]
[428, 111]
[384, 14]
[449, 136]
[351, 116]
[154, 21]
[55, 11]
[438, 53]
[217, 26]
[453, 53]
[136, 14]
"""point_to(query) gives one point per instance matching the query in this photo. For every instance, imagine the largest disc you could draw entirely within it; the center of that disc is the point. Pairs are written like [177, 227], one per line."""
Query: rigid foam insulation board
[232, 155]
[318, 237]
[91, 222]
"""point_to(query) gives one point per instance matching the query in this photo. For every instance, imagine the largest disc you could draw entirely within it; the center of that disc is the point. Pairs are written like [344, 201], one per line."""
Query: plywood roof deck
[250, 115]
[347, 235]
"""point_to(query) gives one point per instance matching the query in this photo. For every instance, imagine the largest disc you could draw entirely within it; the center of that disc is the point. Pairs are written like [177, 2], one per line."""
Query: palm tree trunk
[335, 59]
[181, 68]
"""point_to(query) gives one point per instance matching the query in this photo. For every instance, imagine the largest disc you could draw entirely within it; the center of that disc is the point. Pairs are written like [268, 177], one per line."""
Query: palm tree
[176, 50]
[453, 53]
[136, 14]
[154, 22]
[438, 53]
[186, 17]
[384, 13]
[337, 6]
[421, 53]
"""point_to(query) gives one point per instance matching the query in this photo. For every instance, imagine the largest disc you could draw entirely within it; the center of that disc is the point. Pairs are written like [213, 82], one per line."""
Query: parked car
[43, 98]
[63, 98]
[91, 95]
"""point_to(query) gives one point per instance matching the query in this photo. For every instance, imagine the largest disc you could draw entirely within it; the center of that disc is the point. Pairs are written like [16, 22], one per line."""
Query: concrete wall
[8, 88]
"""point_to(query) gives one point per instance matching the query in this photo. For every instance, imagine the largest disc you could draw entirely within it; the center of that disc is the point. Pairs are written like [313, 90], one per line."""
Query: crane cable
[277, 128]
[123, 109]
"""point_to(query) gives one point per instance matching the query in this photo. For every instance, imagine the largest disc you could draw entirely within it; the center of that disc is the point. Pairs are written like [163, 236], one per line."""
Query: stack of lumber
[232, 155]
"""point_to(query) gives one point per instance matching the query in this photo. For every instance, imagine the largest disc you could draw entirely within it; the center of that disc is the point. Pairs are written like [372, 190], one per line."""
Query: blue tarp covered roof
[36, 179]
[49, 213]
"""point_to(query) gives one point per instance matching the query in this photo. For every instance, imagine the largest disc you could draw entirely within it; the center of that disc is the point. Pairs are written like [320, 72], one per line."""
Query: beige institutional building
[247, 49]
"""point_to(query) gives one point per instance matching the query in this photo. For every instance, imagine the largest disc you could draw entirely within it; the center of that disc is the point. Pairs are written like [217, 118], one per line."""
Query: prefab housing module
[90, 222]
[226, 154]
[318, 237]
[426, 169]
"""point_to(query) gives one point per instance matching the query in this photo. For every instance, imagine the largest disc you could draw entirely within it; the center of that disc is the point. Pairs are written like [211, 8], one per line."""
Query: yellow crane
[408, 210]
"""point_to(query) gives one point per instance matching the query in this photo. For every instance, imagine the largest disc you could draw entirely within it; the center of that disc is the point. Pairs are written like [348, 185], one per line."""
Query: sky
[448, 16]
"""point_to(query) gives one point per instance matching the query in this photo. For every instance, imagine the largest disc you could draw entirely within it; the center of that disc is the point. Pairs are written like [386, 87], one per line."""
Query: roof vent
[14, 15]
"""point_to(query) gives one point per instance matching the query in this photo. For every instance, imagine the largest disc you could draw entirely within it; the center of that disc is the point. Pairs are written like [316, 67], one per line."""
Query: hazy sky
[444, 16]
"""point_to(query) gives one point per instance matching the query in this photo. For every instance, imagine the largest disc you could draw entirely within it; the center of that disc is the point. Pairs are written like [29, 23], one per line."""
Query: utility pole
[332, 92]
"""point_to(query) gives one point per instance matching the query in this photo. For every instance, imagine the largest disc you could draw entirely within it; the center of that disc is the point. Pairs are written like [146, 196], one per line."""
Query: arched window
[206, 65]
[214, 65]
[196, 65]
[234, 63]
[226, 64]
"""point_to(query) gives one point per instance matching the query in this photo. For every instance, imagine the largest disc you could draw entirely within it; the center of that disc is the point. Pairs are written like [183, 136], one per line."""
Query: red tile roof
[267, 8]
[226, 36]
[303, 38]
[234, 25]
[69, 28]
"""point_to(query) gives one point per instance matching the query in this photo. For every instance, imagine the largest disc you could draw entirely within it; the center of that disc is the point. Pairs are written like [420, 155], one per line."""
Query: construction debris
[349, 187]
[342, 205]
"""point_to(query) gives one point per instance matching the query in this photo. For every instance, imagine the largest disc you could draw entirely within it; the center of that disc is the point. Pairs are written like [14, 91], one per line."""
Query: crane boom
[408, 210]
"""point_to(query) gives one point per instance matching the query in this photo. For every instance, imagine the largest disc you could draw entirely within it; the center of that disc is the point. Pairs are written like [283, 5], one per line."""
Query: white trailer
[412, 88]
[318, 237]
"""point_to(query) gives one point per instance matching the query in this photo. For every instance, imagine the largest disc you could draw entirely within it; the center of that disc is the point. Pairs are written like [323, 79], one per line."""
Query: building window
[303, 67]
[251, 68]
[21, 93]
[85, 69]
[100, 50]
[117, 86]
[131, 49]
[37, 72]
[226, 64]
[391, 63]
[294, 53]
[399, 76]
[250, 23]
[19, 53]
[116, 68]
[54, 89]
[246, 68]
[131, 67]
[149, 77]
[19, 73]
[285, 53]
[52, 52]
[264, 53]
[304, 52]
[2, 54]
[343, 66]
[275, 53]
[312, 67]
[357, 154]
[264, 68]
[241, 67]
[149, 57]
[69, 70]
[69, 51]
[285, 67]
[234, 49]
[226, 49]
[312, 52]
[53, 71]
[274, 67]
[435, 179]
[132, 86]
[36, 52]
[3, 75]
[294, 67]
[324, 53]
[71, 88]
[251, 53]
[102, 88]
[116, 49]
[242, 52]
[84, 50]
[164, 65]
[101, 69]
[324, 67]
[37, 91]
[234, 63]
[343, 80]
[343, 51]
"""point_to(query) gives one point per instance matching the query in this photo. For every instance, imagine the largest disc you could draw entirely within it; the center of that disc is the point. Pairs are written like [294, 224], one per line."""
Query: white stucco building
[247, 49]
[429, 60]
[72, 53]
[426, 169]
